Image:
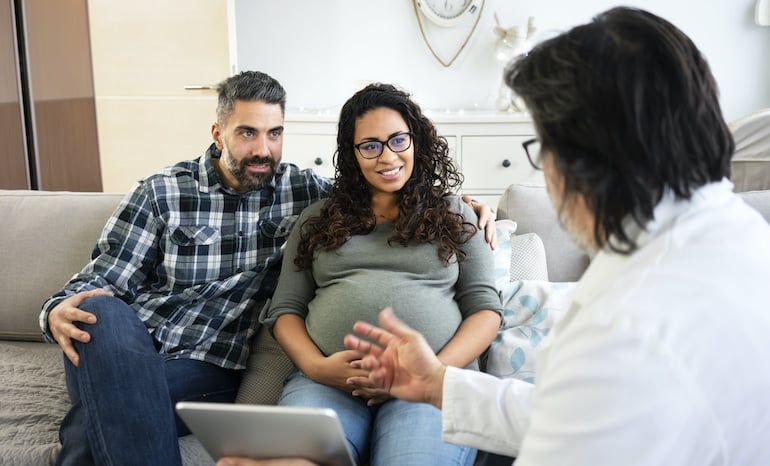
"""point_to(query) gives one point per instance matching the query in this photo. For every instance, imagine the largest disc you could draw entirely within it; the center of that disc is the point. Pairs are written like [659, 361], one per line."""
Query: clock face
[448, 8]
[446, 13]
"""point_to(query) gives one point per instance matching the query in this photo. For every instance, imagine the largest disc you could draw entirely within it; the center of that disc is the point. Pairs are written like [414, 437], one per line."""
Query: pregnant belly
[431, 311]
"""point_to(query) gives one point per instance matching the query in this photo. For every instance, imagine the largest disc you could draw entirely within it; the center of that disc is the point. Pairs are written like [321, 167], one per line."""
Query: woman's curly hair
[423, 213]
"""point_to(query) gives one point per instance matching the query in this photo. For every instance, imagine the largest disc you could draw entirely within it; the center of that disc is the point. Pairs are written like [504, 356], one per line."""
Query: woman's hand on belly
[366, 389]
[334, 370]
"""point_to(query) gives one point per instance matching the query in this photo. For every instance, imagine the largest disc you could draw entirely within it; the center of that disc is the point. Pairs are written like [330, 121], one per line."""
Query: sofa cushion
[47, 237]
[528, 260]
[749, 175]
[504, 229]
[530, 309]
[759, 200]
[33, 402]
[531, 209]
[517, 257]
[266, 371]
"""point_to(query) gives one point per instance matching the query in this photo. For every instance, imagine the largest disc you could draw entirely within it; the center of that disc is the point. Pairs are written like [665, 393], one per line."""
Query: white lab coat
[663, 358]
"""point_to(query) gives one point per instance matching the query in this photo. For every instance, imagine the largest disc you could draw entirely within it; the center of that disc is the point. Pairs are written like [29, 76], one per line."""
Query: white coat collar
[607, 265]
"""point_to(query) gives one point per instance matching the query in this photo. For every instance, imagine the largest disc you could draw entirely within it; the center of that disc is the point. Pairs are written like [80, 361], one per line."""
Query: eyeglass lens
[396, 143]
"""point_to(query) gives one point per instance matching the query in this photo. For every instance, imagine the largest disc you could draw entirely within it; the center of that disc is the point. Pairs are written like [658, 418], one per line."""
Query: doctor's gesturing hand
[399, 360]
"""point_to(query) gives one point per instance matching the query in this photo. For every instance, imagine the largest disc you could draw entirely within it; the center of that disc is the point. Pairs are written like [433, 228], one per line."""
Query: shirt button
[239, 270]
[240, 233]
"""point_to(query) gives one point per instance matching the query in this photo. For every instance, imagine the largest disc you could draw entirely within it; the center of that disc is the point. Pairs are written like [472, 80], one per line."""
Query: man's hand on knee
[61, 322]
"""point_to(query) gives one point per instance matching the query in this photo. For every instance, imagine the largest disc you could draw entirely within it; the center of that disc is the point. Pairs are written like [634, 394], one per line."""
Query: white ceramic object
[762, 13]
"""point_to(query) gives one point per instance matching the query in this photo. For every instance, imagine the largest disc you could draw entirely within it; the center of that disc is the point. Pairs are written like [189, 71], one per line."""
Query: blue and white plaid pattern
[192, 257]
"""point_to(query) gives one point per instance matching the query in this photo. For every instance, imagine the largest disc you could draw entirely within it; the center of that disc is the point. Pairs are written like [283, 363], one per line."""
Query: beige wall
[144, 52]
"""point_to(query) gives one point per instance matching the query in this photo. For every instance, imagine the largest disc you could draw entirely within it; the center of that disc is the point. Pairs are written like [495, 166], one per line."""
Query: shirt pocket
[193, 255]
[278, 228]
[195, 235]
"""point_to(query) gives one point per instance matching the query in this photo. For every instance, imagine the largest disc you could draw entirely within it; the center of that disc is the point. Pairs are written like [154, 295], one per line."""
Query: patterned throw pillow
[518, 257]
[531, 307]
[502, 253]
[527, 258]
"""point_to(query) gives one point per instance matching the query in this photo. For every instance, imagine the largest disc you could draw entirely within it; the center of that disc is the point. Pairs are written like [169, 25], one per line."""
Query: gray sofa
[48, 236]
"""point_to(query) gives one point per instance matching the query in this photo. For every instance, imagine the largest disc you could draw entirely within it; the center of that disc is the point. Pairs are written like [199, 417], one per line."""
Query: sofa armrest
[47, 238]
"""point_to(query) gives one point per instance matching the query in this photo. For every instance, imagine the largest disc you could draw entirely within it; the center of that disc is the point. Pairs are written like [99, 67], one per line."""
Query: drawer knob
[506, 163]
[318, 161]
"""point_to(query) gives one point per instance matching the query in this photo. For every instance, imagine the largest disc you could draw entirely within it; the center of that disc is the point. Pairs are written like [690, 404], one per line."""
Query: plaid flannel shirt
[193, 257]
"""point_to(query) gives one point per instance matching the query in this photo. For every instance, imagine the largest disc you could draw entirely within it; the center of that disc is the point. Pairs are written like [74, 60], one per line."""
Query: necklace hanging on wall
[447, 13]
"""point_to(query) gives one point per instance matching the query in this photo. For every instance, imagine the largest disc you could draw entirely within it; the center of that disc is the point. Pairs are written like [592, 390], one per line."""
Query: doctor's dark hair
[627, 108]
[423, 213]
[249, 86]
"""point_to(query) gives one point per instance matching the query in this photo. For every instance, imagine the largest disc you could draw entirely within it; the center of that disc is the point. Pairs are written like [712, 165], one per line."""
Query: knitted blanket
[33, 401]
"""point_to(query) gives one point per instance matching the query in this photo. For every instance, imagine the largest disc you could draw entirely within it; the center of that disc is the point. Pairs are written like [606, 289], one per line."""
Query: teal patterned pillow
[531, 307]
[504, 229]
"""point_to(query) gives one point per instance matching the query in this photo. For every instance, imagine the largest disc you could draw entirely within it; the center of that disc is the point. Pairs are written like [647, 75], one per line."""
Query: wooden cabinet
[486, 146]
[14, 172]
[489, 150]
[145, 53]
[47, 111]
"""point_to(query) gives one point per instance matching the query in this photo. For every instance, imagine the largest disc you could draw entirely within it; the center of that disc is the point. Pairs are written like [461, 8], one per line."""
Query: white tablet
[262, 431]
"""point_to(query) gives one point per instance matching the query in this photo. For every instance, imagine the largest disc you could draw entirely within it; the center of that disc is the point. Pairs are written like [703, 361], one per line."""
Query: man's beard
[249, 181]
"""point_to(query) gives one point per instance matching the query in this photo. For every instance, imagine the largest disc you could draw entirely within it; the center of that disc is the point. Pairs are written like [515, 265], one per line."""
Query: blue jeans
[123, 393]
[393, 433]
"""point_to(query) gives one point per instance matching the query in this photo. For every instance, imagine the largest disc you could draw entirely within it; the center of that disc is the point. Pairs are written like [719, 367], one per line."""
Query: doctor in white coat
[663, 356]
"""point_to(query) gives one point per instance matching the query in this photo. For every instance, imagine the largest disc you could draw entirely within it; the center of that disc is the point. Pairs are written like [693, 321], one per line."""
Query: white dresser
[486, 145]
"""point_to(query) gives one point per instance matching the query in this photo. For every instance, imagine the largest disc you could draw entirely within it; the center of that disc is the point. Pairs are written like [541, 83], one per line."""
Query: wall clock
[448, 13]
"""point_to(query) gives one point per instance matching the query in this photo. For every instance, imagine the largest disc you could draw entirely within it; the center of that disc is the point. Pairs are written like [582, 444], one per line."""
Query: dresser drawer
[492, 163]
[314, 151]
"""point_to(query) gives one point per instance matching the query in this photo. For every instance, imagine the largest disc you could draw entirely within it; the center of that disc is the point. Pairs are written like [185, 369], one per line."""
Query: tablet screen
[262, 431]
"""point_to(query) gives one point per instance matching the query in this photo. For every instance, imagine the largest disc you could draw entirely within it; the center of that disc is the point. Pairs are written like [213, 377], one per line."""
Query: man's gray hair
[249, 86]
